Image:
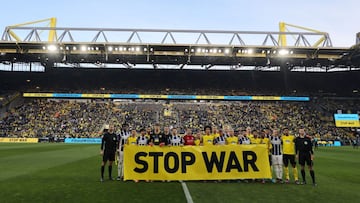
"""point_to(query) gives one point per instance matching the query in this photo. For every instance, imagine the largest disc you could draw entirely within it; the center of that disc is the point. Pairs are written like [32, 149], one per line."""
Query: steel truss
[206, 48]
[164, 36]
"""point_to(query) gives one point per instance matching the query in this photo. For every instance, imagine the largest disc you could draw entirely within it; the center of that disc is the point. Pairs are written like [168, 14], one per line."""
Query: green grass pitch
[70, 173]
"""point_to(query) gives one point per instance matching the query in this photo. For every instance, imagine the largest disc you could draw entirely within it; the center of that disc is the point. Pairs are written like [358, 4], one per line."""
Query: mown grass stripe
[26, 163]
[71, 174]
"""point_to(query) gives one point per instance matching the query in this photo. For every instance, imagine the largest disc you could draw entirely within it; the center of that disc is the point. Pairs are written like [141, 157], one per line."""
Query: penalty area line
[186, 192]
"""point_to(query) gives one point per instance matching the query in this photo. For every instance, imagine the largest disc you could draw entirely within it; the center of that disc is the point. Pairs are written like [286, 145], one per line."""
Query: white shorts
[277, 159]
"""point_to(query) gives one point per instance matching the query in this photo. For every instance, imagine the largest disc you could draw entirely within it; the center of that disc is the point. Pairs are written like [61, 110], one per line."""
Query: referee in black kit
[305, 153]
[109, 143]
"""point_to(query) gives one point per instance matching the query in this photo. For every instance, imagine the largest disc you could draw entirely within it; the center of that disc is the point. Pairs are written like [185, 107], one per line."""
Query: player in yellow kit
[197, 139]
[248, 133]
[255, 139]
[207, 139]
[289, 155]
[215, 131]
[265, 139]
[133, 138]
[231, 139]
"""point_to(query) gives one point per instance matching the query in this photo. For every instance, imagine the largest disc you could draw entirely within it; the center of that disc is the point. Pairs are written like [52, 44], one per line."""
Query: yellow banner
[196, 162]
[347, 123]
[37, 94]
[95, 95]
[267, 98]
[23, 140]
[152, 96]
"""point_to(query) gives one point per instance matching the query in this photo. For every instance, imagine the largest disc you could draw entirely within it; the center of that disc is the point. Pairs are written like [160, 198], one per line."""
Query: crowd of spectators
[7, 97]
[85, 118]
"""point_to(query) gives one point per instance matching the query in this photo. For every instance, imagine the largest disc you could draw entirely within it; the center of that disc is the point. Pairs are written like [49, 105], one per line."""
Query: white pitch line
[186, 192]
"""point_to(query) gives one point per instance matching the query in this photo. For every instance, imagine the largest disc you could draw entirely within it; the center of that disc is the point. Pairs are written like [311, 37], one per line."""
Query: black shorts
[305, 158]
[109, 156]
[289, 158]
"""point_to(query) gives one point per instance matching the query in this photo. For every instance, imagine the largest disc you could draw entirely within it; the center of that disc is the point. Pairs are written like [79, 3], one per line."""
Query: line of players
[283, 149]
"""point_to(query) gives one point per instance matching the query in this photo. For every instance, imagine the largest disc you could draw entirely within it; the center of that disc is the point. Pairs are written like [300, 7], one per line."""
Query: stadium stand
[329, 93]
[68, 118]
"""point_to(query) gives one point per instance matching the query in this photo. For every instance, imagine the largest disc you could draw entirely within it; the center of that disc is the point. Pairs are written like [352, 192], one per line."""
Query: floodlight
[51, 47]
[283, 52]
[83, 48]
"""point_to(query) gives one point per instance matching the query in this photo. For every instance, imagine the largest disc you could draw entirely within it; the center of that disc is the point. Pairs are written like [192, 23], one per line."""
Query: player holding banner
[122, 137]
[221, 138]
[231, 139]
[207, 139]
[132, 140]
[142, 140]
[157, 137]
[175, 139]
[189, 139]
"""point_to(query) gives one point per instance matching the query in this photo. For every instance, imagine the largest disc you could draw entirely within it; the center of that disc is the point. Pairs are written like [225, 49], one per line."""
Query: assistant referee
[109, 143]
[305, 153]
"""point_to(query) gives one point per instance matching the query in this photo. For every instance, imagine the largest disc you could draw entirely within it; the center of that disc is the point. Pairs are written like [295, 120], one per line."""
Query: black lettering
[250, 159]
[214, 160]
[176, 162]
[141, 162]
[236, 165]
[185, 162]
[156, 160]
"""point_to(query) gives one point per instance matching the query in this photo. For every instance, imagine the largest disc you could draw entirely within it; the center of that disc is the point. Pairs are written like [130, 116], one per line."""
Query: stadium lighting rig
[280, 48]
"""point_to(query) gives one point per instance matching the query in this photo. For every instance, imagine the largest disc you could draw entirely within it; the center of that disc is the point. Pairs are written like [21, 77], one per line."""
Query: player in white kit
[123, 136]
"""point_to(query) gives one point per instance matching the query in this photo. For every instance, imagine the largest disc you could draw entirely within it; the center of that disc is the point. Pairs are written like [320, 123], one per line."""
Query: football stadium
[177, 115]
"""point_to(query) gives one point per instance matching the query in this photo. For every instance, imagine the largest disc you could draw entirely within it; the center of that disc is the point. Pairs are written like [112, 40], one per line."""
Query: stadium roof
[158, 48]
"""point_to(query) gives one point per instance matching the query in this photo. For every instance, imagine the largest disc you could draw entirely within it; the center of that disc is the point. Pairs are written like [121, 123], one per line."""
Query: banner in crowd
[83, 140]
[165, 97]
[347, 120]
[19, 140]
[196, 162]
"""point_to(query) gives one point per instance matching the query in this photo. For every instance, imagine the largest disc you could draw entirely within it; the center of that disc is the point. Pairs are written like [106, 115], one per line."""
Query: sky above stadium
[337, 17]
